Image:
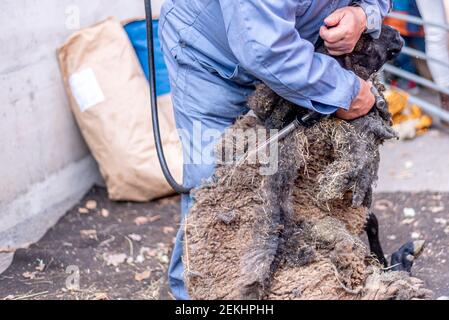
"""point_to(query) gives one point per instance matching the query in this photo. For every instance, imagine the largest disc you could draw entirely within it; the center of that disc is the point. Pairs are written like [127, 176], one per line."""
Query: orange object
[425, 122]
[401, 26]
[397, 101]
[403, 112]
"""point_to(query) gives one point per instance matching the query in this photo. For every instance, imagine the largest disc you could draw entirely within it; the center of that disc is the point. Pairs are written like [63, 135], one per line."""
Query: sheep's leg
[403, 259]
[372, 230]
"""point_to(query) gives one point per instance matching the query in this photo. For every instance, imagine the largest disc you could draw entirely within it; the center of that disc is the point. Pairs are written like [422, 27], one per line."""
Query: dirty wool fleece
[295, 234]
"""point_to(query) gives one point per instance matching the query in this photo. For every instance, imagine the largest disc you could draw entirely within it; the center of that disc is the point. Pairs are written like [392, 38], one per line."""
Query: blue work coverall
[217, 50]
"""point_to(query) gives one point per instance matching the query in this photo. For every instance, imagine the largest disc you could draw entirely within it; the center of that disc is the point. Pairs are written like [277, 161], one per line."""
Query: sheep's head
[371, 54]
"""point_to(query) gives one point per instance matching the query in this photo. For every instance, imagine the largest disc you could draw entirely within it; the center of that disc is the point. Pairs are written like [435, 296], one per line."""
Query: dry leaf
[162, 258]
[168, 230]
[416, 235]
[144, 251]
[441, 221]
[101, 296]
[154, 219]
[105, 213]
[135, 237]
[91, 204]
[437, 209]
[29, 275]
[409, 212]
[408, 221]
[140, 221]
[142, 276]
[115, 259]
[90, 234]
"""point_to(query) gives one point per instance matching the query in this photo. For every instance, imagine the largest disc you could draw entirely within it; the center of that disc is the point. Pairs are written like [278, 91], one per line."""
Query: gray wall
[45, 167]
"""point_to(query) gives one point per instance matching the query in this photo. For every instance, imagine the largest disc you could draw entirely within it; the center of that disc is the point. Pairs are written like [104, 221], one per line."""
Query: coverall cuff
[325, 108]
[373, 18]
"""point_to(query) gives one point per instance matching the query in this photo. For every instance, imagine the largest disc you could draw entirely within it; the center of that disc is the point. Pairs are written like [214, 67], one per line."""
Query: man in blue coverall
[217, 50]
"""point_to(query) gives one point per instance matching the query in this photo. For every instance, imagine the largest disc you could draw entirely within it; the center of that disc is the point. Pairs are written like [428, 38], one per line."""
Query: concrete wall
[45, 167]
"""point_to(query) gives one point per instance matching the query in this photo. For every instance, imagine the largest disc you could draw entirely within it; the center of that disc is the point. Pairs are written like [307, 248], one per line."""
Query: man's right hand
[361, 105]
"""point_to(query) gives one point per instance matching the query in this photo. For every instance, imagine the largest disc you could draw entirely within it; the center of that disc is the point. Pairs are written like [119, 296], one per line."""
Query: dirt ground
[104, 250]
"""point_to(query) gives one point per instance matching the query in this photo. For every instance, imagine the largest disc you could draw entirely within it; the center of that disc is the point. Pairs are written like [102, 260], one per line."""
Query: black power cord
[154, 109]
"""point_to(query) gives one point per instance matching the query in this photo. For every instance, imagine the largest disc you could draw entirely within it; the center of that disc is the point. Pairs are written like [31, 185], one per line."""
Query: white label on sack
[86, 89]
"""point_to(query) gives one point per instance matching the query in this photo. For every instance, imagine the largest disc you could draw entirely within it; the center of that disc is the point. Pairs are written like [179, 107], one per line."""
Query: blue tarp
[137, 33]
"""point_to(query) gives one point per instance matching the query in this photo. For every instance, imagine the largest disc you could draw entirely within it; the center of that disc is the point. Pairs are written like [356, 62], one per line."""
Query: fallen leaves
[416, 235]
[408, 221]
[105, 213]
[441, 221]
[135, 237]
[140, 221]
[409, 212]
[29, 275]
[89, 234]
[115, 259]
[168, 230]
[436, 209]
[101, 296]
[91, 204]
[160, 253]
[83, 210]
[142, 275]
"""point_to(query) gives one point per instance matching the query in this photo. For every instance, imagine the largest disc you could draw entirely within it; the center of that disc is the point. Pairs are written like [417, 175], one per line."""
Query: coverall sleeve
[262, 36]
[375, 11]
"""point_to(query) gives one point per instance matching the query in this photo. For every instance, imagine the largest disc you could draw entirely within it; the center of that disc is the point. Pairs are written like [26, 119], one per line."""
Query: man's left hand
[343, 29]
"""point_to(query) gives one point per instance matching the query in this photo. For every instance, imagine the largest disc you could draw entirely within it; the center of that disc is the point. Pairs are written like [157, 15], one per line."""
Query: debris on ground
[140, 221]
[63, 247]
[409, 212]
[115, 259]
[105, 213]
[91, 204]
[409, 120]
[143, 275]
[97, 250]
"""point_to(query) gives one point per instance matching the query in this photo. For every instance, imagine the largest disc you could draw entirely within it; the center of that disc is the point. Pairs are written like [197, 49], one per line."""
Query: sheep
[295, 234]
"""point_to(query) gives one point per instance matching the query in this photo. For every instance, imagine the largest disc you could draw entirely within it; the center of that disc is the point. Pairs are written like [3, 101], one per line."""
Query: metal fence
[430, 108]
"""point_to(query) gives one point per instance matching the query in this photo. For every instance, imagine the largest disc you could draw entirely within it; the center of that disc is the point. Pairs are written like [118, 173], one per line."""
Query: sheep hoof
[403, 259]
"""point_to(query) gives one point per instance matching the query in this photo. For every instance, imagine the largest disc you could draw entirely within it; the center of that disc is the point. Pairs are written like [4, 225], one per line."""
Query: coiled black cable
[154, 108]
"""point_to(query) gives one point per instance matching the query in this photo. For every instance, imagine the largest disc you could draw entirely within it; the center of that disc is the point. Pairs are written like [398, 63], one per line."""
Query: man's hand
[361, 105]
[343, 29]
